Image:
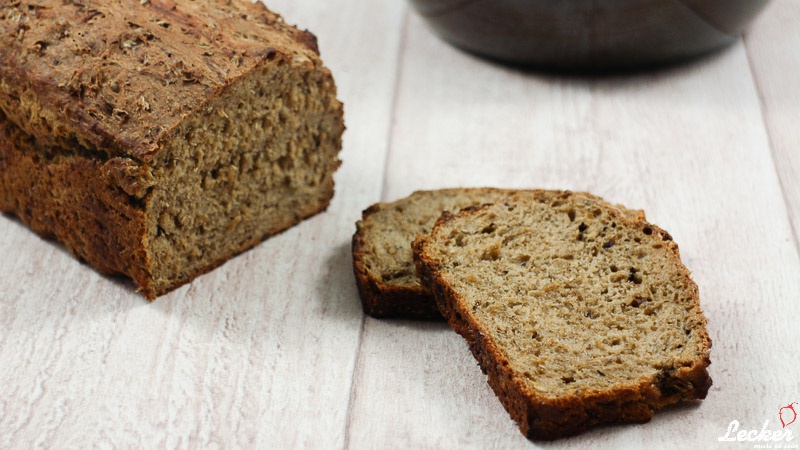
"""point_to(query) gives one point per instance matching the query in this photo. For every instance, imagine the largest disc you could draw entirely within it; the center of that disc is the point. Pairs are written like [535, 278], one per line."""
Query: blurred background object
[589, 34]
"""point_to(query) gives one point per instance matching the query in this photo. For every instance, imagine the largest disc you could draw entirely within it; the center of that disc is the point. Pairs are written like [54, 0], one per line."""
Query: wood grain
[772, 48]
[272, 350]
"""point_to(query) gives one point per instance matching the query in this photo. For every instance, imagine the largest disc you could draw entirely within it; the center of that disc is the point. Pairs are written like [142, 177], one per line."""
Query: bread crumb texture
[579, 314]
[157, 139]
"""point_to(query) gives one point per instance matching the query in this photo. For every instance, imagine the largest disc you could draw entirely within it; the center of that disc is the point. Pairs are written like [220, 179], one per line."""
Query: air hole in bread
[634, 276]
[491, 254]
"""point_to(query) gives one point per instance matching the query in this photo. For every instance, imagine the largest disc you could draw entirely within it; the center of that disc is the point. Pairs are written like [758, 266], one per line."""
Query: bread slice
[382, 261]
[579, 314]
[158, 138]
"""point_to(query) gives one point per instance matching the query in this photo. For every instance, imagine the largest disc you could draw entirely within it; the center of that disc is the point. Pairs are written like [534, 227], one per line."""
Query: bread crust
[386, 301]
[73, 199]
[383, 301]
[118, 77]
[540, 417]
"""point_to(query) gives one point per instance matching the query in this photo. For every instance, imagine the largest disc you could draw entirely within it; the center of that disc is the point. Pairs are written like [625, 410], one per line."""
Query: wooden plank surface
[257, 354]
[773, 47]
[271, 350]
[687, 144]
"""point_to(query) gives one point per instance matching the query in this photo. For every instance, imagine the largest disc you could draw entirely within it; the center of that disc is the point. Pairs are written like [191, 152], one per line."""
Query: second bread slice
[579, 314]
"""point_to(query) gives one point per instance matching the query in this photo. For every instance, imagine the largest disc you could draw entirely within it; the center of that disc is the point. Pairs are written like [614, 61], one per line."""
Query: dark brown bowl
[589, 34]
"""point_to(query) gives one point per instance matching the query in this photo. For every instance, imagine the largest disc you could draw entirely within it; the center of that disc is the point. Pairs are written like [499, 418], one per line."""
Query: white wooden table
[272, 350]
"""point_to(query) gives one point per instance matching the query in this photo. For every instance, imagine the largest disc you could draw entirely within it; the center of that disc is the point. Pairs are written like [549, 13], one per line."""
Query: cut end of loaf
[254, 161]
[579, 314]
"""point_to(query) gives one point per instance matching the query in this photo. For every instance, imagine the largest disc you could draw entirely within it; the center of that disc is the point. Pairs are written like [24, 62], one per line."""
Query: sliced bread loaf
[159, 138]
[579, 314]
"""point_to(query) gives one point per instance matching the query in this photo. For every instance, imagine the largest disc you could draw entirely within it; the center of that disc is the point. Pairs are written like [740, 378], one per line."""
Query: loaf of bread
[579, 314]
[382, 262]
[159, 138]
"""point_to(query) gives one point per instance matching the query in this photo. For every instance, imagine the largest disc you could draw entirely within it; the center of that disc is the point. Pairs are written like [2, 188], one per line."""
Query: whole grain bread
[579, 314]
[158, 138]
[382, 261]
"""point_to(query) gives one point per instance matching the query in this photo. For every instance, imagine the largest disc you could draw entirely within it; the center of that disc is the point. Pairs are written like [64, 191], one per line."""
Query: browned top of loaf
[116, 76]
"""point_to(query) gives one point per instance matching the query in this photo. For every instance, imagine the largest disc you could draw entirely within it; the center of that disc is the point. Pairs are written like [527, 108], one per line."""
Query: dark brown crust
[74, 72]
[386, 302]
[545, 418]
[106, 227]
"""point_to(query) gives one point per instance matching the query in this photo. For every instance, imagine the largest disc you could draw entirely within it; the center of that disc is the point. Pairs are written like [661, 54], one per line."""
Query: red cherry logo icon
[790, 415]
